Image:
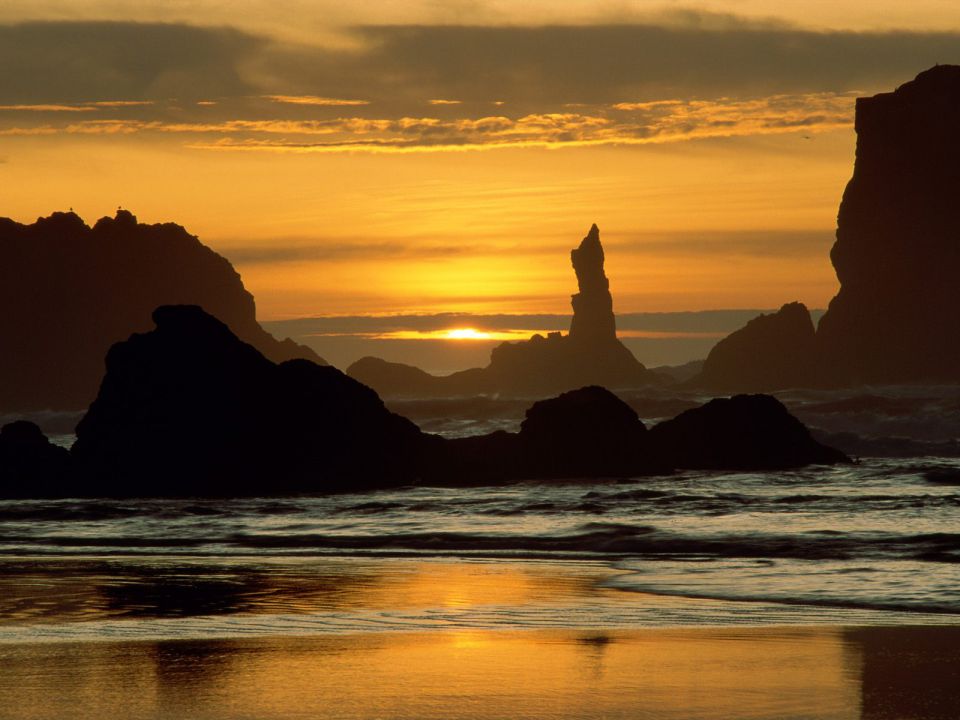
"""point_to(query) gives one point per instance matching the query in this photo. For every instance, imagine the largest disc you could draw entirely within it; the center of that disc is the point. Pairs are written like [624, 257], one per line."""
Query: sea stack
[897, 253]
[593, 319]
[771, 352]
[591, 354]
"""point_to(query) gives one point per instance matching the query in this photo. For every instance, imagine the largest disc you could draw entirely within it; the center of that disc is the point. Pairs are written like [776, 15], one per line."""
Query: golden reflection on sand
[652, 673]
[706, 673]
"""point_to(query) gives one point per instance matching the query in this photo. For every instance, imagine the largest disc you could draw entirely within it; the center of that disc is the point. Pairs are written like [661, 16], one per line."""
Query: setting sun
[467, 334]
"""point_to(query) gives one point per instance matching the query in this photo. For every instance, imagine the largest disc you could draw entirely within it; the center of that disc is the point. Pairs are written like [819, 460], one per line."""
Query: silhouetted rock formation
[745, 432]
[590, 354]
[30, 465]
[771, 352]
[392, 379]
[897, 258]
[584, 433]
[897, 254]
[591, 433]
[593, 321]
[189, 409]
[68, 292]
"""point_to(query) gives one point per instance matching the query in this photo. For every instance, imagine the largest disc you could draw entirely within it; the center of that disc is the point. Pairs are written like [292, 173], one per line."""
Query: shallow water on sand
[878, 535]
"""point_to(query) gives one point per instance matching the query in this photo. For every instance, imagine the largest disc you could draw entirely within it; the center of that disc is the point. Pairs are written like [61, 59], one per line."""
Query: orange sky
[307, 143]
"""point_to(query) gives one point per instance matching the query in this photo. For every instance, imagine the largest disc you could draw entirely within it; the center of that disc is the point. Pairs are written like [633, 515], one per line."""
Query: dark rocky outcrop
[745, 432]
[30, 465]
[771, 352]
[69, 291]
[590, 354]
[584, 433]
[189, 409]
[591, 433]
[897, 253]
[897, 257]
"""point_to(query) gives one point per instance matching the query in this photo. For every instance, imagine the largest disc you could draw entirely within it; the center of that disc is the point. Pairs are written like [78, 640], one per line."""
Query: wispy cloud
[621, 124]
[346, 251]
[120, 103]
[48, 108]
[314, 100]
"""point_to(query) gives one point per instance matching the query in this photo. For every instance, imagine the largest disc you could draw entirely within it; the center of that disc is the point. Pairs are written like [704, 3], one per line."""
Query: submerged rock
[69, 291]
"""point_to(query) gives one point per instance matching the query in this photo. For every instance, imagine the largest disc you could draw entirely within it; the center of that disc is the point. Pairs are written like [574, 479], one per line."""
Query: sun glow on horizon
[467, 334]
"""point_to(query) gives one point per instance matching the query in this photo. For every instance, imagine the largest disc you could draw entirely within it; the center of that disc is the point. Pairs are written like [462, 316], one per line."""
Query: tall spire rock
[593, 319]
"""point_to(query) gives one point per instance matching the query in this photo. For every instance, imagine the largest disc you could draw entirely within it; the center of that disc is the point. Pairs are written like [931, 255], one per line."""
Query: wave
[590, 539]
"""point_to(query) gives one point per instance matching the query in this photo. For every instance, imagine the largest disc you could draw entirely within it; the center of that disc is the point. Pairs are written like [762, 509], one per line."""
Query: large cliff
[897, 254]
[69, 291]
[590, 354]
[897, 257]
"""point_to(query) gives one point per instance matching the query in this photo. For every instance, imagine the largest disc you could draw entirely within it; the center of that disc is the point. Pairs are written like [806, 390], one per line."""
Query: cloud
[730, 244]
[314, 100]
[676, 55]
[560, 86]
[342, 251]
[47, 108]
[77, 62]
[621, 125]
[537, 67]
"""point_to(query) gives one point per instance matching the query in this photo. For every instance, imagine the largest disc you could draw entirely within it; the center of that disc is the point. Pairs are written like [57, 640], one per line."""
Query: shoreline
[105, 599]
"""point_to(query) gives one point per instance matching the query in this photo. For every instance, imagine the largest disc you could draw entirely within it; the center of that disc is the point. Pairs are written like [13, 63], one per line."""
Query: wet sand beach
[401, 638]
[705, 673]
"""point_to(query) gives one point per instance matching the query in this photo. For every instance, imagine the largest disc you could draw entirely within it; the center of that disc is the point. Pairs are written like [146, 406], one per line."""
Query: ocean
[867, 539]
[849, 576]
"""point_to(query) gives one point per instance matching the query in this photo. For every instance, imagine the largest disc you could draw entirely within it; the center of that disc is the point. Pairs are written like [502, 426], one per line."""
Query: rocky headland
[68, 291]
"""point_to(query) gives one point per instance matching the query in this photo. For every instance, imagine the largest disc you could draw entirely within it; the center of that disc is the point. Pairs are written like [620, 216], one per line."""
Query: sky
[431, 156]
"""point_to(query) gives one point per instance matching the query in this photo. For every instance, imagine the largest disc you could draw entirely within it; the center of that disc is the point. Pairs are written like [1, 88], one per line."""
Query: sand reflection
[706, 673]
